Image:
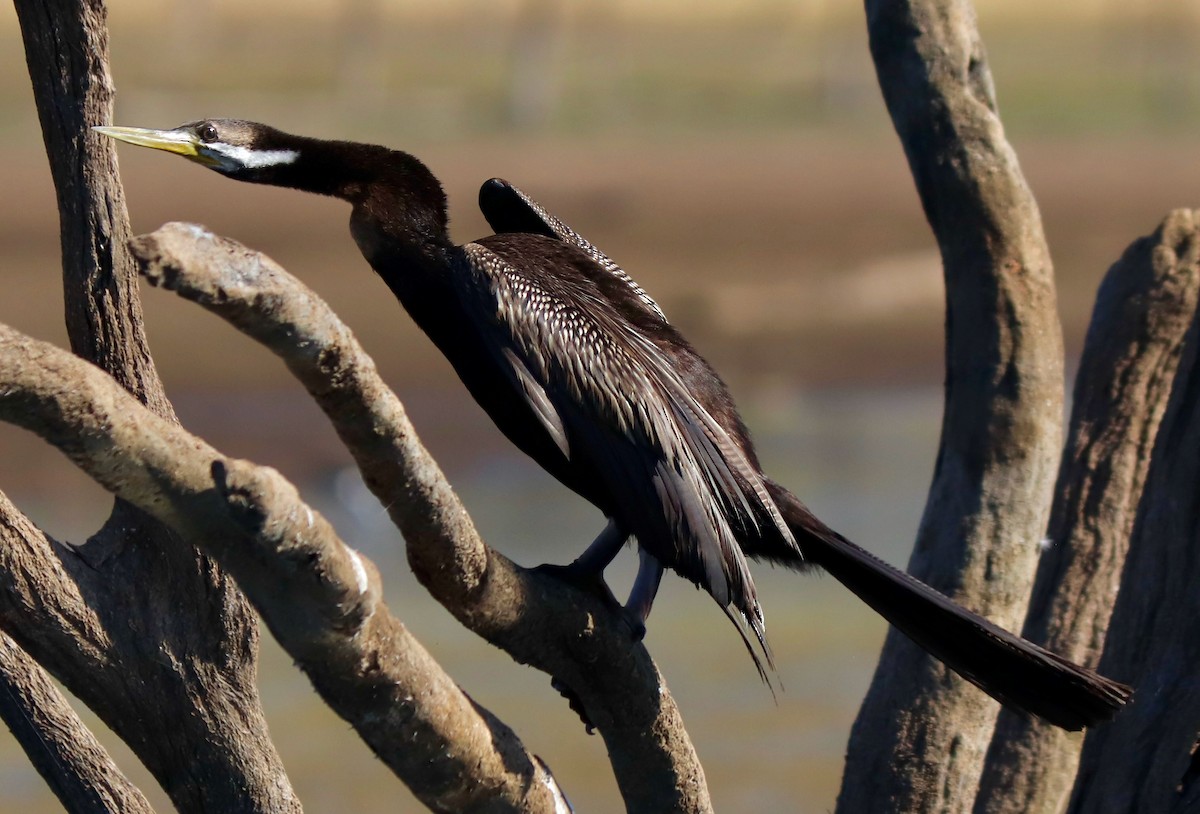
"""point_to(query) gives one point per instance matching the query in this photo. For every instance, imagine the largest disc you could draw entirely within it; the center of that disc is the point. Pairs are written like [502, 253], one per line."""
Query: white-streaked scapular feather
[568, 235]
[567, 353]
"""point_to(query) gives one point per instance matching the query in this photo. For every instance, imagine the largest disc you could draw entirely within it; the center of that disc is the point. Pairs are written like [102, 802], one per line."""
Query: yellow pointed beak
[173, 141]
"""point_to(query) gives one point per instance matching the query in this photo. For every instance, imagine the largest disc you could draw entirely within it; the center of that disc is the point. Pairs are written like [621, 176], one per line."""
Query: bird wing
[508, 209]
[538, 401]
[681, 483]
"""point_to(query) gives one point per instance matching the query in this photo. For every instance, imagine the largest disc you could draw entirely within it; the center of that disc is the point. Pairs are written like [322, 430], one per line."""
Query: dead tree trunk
[1142, 315]
[127, 592]
[1147, 759]
[921, 735]
[920, 744]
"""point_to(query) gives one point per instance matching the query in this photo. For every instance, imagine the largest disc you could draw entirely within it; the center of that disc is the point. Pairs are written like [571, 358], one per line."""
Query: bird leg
[596, 557]
[587, 571]
[641, 596]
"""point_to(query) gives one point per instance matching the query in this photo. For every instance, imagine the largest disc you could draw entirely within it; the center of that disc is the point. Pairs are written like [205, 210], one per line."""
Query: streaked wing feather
[508, 209]
[722, 456]
[595, 370]
[535, 396]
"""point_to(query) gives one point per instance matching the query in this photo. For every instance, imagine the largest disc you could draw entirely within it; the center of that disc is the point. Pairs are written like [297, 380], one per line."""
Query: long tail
[1008, 668]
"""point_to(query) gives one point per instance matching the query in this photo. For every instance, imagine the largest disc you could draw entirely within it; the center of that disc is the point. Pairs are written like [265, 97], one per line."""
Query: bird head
[260, 154]
[239, 149]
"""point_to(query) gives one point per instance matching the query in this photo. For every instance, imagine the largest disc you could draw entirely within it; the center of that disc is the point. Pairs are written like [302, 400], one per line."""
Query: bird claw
[574, 702]
[592, 582]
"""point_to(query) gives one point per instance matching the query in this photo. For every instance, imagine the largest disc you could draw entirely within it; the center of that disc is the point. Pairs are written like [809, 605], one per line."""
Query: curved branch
[921, 735]
[64, 751]
[577, 637]
[320, 599]
[1142, 314]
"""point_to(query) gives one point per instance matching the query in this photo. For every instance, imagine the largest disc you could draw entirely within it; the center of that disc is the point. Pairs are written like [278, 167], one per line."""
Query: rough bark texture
[66, 48]
[320, 598]
[577, 637]
[1146, 760]
[63, 750]
[1142, 314]
[130, 621]
[919, 741]
[92, 628]
[137, 620]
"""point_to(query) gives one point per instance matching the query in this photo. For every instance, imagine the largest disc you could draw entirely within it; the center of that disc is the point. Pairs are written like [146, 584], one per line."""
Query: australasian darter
[579, 367]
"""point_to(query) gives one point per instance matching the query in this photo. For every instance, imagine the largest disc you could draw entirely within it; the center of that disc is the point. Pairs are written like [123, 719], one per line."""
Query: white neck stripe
[246, 157]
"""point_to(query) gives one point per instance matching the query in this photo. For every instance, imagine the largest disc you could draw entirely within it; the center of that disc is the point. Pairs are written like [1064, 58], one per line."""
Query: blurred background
[736, 159]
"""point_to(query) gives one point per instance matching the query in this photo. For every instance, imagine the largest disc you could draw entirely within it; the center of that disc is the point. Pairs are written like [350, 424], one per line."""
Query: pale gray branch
[319, 598]
[1142, 314]
[577, 637]
[922, 733]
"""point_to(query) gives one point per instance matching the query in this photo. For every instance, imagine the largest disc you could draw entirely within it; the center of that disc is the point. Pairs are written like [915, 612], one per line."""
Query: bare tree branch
[921, 735]
[1146, 759]
[320, 598]
[71, 618]
[1143, 311]
[575, 636]
[66, 47]
[44, 599]
[162, 627]
[141, 617]
[65, 753]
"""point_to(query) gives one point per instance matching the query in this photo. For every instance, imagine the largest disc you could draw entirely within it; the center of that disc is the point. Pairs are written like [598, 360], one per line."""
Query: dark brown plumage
[580, 368]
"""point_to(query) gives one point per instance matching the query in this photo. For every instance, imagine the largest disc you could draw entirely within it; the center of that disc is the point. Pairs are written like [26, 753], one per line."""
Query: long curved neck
[390, 189]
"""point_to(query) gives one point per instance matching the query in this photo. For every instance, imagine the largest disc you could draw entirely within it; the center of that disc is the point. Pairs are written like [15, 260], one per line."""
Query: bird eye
[207, 133]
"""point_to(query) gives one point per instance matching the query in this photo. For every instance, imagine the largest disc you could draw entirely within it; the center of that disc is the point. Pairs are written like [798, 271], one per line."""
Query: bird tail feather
[1012, 670]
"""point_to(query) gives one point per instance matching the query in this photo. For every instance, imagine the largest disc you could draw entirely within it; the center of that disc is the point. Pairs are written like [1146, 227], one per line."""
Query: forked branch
[574, 635]
[319, 598]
